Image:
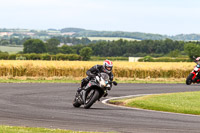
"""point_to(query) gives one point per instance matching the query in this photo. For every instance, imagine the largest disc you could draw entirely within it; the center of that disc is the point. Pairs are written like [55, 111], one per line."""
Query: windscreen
[105, 76]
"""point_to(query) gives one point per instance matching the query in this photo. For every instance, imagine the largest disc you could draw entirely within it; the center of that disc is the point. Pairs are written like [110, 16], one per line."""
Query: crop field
[11, 49]
[123, 69]
[110, 38]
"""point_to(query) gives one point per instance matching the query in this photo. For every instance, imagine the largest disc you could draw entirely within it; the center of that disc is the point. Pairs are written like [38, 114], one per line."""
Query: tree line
[192, 49]
[61, 39]
[123, 48]
[51, 47]
[106, 48]
[136, 48]
[12, 41]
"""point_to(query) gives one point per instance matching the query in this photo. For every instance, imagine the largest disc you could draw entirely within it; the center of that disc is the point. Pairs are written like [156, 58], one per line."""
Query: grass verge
[185, 102]
[78, 80]
[14, 129]
[37, 81]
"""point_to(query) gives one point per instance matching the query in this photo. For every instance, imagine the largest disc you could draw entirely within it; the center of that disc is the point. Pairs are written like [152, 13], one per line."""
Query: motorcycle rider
[197, 61]
[95, 70]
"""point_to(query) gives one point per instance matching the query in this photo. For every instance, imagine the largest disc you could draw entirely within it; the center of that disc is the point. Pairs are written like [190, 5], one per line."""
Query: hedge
[33, 56]
[163, 59]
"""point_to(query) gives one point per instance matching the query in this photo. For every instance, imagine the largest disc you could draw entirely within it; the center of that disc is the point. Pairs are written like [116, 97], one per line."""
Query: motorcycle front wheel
[189, 79]
[91, 98]
[76, 103]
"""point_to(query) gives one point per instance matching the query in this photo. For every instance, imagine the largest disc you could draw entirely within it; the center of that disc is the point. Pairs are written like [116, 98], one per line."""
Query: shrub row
[33, 56]
[163, 59]
[97, 58]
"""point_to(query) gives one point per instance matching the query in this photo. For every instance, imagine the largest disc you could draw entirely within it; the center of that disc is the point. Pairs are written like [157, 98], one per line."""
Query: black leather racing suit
[92, 72]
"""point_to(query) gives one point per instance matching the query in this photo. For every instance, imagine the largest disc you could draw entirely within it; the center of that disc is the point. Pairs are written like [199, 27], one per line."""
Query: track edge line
[133, 108]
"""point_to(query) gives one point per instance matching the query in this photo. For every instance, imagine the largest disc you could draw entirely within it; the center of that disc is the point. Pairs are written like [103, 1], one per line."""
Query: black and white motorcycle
[94, 90]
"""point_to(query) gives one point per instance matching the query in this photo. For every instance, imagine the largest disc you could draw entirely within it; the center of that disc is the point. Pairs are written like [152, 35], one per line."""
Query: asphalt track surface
[50, 105]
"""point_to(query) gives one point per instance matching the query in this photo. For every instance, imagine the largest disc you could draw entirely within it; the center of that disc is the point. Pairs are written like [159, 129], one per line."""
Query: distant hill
[72, 30]
[186, 37]
[79, 32]
[133, 35]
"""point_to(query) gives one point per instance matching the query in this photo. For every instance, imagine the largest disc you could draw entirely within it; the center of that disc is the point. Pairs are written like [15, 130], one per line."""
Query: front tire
[189, 79]
[76, 103]
[92, 98]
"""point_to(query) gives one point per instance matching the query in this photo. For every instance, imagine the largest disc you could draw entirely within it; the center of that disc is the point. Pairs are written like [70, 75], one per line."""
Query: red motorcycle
[194, 76]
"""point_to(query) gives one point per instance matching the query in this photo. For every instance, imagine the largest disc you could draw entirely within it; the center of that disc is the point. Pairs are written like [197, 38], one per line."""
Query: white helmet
[107, 65]
[197, 60]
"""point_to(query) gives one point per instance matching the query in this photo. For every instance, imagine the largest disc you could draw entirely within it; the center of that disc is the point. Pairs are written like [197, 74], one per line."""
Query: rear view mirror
[115, 83]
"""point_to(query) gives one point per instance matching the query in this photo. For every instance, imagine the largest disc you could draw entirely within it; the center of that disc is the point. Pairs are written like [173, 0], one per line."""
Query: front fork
[84, 96]
[195, 78]
[195, 74]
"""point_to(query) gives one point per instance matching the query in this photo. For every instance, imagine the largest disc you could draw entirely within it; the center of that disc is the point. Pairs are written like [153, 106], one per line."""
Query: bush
[60, 57]
[20, 57]
[168, 59]
[163, 59]
[96, 58]
[4, 56]
[146, 59]
[12, 57]
[25, 56]
[73, 57]
[53, 57]
[86, 53]
[45, 57]
[67, 57]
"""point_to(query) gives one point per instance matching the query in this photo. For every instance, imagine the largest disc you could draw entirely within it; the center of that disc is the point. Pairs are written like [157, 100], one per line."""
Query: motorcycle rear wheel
[92, 97]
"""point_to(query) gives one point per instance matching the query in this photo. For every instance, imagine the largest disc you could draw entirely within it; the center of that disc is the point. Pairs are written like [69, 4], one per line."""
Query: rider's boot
[83, 84]
[105, 94]
[79, 89]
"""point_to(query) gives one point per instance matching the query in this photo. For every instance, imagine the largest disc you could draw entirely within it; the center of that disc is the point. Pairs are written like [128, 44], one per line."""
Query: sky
[169, 17]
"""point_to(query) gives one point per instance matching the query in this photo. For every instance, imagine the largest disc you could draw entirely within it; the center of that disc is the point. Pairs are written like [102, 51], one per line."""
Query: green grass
[185, 102]
[71, 80]
[152, 81]
[37, 81]
[13, 129]
[11, 50]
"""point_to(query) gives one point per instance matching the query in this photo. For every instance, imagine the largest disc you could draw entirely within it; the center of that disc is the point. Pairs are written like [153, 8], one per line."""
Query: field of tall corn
[78, 69]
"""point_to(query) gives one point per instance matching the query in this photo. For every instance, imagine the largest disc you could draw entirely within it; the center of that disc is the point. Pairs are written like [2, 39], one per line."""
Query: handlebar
[113, 82]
